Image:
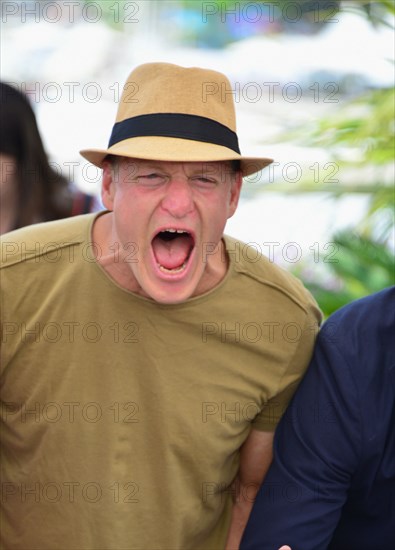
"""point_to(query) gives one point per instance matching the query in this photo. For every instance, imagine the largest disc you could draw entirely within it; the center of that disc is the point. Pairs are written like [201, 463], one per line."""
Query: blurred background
[313, 82]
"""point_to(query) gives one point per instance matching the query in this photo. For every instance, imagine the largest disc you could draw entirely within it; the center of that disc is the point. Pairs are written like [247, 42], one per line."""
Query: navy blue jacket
[332, 481]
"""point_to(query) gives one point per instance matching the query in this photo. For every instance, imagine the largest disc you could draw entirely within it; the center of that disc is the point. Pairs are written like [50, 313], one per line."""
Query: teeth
[174, 231]
[177, 270]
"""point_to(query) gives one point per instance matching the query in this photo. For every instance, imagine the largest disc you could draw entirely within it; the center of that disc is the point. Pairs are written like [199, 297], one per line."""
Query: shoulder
[358, 339]
[274, 283]
[34, 241]
[364, 322]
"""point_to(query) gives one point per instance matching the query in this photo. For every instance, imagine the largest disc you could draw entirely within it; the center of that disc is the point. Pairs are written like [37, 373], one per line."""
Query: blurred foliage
[365, 128]
[378, 12]
[359, 266]
[205, 24]
[215, 24]
[241, 19]
[366, 122]
[244, 18]
[365, 262]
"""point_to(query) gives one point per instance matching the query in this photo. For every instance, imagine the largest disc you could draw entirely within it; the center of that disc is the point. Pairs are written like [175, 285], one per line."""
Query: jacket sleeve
[316, 450]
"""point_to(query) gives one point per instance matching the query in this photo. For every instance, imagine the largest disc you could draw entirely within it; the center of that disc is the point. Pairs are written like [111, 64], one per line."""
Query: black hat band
[175, 125]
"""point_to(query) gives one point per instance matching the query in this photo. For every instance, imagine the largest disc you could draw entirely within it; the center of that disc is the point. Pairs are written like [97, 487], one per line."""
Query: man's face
[168, 219]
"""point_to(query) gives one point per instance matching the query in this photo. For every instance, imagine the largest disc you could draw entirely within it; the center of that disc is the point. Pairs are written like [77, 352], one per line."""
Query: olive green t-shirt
[122, 418]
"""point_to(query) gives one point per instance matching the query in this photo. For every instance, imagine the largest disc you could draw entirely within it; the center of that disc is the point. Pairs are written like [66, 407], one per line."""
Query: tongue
[172, 254]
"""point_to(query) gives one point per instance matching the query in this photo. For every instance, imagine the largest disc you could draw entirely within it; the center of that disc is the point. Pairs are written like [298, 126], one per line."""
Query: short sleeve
[291, 374]
[316, 449]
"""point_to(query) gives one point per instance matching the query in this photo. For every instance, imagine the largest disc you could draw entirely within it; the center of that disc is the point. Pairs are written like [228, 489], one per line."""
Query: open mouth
[172, 249]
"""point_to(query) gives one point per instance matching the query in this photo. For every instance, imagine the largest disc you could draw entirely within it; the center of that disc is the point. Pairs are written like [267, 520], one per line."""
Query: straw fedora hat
[178, 114]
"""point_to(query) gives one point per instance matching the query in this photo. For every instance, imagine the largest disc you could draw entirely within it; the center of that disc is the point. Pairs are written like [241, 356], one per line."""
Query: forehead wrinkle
[155, 162]
[217, 169]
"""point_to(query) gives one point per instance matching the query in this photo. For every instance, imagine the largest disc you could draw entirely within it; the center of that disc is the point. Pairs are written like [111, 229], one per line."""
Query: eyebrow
[200, 168]
[151, 164]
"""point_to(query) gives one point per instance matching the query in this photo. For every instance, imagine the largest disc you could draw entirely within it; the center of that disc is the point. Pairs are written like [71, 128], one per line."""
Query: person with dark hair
[31, 190]
[332, 481]
[147, 359]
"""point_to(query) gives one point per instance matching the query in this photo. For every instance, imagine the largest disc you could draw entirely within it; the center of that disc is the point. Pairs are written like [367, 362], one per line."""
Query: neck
[111, 256]
[111, 260]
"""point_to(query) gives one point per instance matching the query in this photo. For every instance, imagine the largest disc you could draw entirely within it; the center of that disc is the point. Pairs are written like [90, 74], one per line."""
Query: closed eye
[151, 179]
[204, 182]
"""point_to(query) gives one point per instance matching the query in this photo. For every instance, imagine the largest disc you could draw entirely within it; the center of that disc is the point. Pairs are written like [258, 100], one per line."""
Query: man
[147, 358]
[332, 481]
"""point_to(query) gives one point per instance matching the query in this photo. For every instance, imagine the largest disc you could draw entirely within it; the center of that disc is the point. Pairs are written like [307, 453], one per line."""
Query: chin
[170, 286]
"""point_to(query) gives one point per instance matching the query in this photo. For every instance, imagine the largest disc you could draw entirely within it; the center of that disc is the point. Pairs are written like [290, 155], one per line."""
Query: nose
[178, 201]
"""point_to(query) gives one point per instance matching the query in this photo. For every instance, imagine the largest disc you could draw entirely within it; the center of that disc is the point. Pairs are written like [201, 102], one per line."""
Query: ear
[235, 193]
[108, 186]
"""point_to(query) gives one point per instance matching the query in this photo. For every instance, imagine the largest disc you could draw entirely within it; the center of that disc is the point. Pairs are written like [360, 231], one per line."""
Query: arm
[315, 452]
[255, 458]
[257, 452]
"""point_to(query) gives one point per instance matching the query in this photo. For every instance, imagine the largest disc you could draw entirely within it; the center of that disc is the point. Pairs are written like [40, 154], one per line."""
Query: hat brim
[175, 150]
